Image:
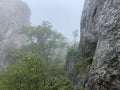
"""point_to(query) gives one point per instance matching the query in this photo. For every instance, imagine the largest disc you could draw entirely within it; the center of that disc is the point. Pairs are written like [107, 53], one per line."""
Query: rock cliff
[100, 39]
[14, 14]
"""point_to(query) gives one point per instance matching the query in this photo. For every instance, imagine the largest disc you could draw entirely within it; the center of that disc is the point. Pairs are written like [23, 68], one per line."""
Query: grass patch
[82, 65]
[84, 62]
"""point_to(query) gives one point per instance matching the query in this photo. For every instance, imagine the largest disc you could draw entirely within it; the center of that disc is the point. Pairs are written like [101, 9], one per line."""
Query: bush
[59, 83]
[80, 88]
[33, 73]
[25, 75]
[83, 63]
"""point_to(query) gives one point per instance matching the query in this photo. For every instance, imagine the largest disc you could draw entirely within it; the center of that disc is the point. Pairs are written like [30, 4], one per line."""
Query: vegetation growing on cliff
[83, 63]
[77, 67]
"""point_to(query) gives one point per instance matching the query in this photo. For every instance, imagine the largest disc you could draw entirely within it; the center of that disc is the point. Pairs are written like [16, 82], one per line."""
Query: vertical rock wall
[14, 14]
[100, 38]
[104, 73]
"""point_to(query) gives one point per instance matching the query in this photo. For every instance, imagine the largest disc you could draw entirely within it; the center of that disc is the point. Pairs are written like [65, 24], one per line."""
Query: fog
[63, 14]
[33, 45]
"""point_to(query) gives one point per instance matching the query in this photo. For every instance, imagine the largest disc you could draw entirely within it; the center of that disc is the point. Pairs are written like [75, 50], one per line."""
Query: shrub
[33, 73]
[80, 88]
[84, 62]
[25, 75]
[59, 83]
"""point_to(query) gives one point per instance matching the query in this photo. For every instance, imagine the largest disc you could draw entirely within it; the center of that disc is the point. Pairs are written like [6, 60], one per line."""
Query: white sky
[64, 15]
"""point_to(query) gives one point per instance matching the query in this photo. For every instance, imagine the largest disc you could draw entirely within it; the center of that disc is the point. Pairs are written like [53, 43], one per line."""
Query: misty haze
[60, 45]
[36, 40]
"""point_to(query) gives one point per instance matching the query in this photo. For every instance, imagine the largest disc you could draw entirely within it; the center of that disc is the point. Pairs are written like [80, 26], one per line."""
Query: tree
[27, 74]
[75, 35]
[42, 40]
[33, 73]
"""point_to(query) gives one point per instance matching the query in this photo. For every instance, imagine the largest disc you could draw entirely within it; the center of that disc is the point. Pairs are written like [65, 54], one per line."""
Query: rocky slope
[100, 38]
[14, 14]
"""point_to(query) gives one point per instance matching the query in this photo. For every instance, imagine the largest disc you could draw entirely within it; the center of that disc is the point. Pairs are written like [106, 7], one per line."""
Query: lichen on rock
[100, 38]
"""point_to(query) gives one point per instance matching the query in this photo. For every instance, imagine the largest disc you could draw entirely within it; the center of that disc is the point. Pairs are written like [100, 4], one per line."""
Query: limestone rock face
[100, 38]
[14, 14]
[100, 30]
[89, 27]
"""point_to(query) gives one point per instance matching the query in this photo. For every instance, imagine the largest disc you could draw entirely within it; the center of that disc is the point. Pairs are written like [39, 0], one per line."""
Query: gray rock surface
[104, 73]
[100, 30]
[100, 38]
[14, 14]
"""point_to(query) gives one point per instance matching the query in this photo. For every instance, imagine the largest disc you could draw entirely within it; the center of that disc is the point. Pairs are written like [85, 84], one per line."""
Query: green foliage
[39, 65]
[59, 83]
[83, 63]
[71, 52]
[81, 66]
[33, 73]
[26, 74]
[43, 40]
[80, 88]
